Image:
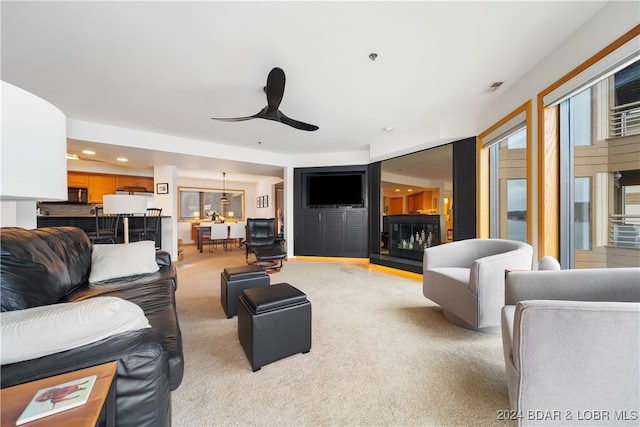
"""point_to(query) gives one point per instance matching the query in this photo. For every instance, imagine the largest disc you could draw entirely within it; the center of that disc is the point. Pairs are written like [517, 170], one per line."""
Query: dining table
[201, 230]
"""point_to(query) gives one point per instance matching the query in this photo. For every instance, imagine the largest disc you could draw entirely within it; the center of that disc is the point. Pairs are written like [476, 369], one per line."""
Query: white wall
[612, 21]
[433, 134]
[88, 131]
[169, 205]
[96, 167]
[266, 187]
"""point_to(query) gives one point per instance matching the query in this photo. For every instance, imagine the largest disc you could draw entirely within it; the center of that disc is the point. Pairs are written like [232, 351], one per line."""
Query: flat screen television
[339, 189]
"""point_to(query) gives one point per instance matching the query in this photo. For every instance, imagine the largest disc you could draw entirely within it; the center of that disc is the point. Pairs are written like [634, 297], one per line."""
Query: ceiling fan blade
[295, 123]
[232, 119]
[259, 114]
[274, 89]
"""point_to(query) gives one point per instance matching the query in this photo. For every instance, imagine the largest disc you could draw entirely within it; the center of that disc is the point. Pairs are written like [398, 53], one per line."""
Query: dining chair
[151, 224]
[219, 232]
[106, 227]
[237, 231]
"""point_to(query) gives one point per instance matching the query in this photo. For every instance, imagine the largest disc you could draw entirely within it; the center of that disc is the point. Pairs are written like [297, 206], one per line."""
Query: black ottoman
[274, 322]
[272, 255]
[234, 280]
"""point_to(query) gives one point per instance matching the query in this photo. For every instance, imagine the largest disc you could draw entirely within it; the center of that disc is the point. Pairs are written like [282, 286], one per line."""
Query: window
[508, 189]
[589, 164]
[517, 209]
[625, 221]
[200, 203]
[631, 201]
[582, 214]
[557, 166]
[581, 158]
[504, 184]
[625, 115]
[580, 119]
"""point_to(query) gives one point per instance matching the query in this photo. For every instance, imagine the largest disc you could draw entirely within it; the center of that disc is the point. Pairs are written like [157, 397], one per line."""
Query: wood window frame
[483, 171]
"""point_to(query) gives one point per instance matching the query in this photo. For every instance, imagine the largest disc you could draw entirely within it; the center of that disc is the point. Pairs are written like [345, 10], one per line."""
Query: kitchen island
[88, 223]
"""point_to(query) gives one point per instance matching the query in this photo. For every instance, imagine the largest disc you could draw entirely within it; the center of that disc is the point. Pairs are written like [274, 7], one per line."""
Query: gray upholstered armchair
[571, 342]
[466, 278]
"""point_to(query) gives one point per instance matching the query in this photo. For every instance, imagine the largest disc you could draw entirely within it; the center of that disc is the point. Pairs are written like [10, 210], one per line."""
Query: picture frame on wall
[265, 201]
[258, 202]
[162, 188]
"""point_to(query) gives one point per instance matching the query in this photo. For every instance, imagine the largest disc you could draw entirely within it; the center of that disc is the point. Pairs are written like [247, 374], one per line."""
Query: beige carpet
[381, 354]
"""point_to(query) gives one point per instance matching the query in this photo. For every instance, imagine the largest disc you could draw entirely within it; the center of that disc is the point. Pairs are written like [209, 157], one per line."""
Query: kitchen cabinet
[99, 185]
[134, 183]
[415, 201]
[420, 202]
[77, 179]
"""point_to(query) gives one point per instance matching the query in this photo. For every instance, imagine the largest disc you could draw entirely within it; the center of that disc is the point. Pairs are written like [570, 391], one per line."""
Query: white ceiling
[168, 67]
[412, 173]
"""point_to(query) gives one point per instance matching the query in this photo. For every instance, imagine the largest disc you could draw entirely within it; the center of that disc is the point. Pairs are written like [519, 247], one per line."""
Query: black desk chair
[262, 242]
[106, 227]
[151, 223]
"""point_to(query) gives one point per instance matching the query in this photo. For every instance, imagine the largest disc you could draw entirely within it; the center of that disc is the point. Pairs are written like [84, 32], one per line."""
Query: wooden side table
[15, 399]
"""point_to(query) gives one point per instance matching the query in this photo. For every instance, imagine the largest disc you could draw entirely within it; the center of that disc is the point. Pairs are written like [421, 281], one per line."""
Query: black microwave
[78, 195]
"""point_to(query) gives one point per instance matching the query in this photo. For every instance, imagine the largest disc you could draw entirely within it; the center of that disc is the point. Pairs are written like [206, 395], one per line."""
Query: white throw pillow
[39, 331]
[127, 259]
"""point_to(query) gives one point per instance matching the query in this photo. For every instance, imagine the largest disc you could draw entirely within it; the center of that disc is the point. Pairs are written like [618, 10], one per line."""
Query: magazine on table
[58, 398]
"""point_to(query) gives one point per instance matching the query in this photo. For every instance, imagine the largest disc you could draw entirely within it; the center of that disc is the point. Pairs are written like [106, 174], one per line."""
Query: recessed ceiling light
[122, 159]
[88, 152]
[72, 157]
[388, 129]
[410, 190]
[397, 189]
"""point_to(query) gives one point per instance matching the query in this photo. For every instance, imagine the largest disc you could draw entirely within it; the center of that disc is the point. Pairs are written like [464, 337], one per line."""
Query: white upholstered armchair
[572, 346]
[466, 278]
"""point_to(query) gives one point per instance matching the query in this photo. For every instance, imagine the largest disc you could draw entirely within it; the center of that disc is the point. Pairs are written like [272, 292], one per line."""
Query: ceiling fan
[274, 90]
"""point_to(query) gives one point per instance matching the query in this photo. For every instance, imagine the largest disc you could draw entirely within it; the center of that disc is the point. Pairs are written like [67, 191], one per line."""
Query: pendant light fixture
[224, 198]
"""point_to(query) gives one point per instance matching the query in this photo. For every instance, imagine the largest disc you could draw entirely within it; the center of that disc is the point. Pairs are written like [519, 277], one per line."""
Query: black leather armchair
[263, 243]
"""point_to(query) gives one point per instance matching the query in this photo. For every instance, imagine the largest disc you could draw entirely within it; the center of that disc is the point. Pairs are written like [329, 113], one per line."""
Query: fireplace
[409, 235]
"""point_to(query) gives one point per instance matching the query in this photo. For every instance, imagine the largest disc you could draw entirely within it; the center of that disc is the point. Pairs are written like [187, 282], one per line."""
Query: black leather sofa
[37, 266]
